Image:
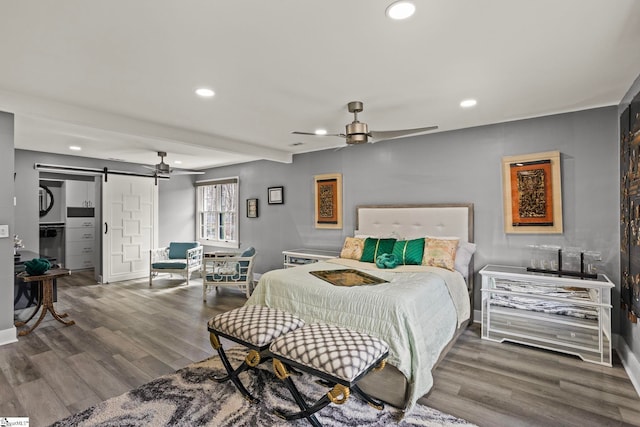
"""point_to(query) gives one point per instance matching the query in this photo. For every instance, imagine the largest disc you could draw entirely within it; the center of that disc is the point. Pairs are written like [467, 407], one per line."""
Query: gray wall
[458, 166]
[6, 218]
[176, 205]
[630, 331]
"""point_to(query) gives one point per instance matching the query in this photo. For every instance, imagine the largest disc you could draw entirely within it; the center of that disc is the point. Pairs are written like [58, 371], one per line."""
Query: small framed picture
[252, 208]
[276, 195]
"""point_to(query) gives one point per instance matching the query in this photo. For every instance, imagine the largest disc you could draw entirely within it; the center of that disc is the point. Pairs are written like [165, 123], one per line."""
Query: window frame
[211, 242]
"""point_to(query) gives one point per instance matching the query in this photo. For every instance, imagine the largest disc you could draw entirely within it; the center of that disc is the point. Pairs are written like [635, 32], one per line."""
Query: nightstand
[561, 313]
[295, 257]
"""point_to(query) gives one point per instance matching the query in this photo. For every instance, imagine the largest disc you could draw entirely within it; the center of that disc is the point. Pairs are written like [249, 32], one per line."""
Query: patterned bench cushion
[334, 350]
[255, 324]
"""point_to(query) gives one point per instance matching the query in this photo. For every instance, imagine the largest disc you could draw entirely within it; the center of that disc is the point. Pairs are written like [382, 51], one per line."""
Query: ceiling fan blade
[389, 134]
[315, 134]
[185, 172]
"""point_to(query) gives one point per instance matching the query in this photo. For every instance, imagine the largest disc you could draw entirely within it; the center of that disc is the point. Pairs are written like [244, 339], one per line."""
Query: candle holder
[582, 274]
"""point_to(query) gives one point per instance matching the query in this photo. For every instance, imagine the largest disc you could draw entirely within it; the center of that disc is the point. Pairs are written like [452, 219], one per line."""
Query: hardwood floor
[127, 334]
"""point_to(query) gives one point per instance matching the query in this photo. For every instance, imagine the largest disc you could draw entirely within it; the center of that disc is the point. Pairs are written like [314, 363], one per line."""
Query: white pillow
[463, 257]
[362, 235]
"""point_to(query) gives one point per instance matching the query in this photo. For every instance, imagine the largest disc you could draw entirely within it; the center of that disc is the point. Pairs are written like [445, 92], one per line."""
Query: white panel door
[130, 212]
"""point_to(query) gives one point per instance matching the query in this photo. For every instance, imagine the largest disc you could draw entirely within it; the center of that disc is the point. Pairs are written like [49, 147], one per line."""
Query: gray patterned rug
[189, 397]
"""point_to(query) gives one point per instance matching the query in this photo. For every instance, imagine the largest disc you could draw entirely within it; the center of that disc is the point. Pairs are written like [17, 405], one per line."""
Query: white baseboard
[629, 361]
[7, 336]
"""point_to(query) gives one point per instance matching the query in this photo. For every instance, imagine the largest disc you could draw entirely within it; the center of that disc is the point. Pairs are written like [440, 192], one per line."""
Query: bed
[419, 311]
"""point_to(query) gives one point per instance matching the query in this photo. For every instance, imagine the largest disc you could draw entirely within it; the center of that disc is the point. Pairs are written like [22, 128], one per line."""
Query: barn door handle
[106, 228]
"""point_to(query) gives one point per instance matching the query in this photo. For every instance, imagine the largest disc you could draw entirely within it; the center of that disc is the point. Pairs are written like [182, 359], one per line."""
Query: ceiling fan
[359, 133]
[163, 169]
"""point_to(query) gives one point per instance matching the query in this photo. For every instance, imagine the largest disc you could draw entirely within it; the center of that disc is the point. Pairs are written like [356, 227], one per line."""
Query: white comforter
[416, 313]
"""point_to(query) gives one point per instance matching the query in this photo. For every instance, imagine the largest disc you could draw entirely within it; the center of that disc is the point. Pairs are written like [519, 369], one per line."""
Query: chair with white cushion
[179, 257]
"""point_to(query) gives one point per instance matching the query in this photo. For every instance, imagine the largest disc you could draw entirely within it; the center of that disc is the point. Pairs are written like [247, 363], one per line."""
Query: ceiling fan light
[205, 92]
[468, 103]
[400, 10]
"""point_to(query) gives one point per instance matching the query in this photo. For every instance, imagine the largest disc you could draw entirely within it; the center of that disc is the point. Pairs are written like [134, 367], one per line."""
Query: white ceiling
[118, 77]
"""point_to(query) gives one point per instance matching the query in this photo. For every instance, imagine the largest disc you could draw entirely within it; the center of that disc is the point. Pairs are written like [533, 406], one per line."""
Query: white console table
[295, 257]
[565, 314]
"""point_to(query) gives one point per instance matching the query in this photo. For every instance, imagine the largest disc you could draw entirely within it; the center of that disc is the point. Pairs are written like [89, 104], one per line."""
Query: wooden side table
[45, 282]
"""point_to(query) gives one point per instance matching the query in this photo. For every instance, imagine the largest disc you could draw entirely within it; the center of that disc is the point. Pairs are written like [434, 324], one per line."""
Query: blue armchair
[179, 257]
[225, 270]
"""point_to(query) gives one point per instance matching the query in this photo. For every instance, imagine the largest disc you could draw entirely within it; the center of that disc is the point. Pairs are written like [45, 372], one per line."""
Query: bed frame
[409, 222]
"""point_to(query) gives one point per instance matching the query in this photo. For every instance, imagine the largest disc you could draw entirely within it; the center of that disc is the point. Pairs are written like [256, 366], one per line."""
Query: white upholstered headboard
[414, 221]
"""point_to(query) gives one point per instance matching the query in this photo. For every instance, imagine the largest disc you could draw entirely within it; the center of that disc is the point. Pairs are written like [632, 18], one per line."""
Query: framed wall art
[328, 200]
[532, 193]
[252, 208]
[275, 195]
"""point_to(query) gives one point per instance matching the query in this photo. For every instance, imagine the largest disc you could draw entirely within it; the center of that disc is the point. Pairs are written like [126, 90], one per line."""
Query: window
[217, 206]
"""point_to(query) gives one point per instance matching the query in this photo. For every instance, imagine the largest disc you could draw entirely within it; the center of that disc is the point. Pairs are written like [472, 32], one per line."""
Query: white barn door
[130, 218]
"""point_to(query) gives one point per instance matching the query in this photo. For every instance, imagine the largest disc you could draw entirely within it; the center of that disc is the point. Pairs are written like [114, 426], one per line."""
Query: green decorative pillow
[37, 266]
[387, 261]
[374, 247]
[409, 252]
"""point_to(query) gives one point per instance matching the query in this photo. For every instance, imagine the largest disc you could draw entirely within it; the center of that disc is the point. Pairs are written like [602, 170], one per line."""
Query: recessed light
[320, 132]
[205, 92]
[467, 103]
[177, 162]
[75, 148]
[400, 10]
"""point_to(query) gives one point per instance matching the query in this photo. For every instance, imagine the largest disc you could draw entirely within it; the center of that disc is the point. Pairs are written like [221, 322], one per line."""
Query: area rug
[190, 397]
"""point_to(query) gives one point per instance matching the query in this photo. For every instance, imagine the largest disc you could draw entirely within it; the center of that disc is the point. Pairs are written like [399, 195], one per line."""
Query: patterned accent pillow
[409, 252]
[374, 247]
[440, 253]
[352, 248]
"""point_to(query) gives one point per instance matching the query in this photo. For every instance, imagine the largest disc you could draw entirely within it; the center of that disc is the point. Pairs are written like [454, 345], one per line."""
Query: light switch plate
[4, 231]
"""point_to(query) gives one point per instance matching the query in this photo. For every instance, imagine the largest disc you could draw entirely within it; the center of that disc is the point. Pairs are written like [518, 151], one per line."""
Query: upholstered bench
[337, 355]
[255, 327]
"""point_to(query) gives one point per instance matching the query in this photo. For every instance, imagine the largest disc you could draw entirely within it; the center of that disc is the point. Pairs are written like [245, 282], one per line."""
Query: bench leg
[306, 411]
[338, 395]
[232, 374]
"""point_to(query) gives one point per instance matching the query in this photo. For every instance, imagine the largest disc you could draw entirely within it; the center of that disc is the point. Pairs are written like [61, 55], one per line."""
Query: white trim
[629, 361]
[209, 181]
[7, 336]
